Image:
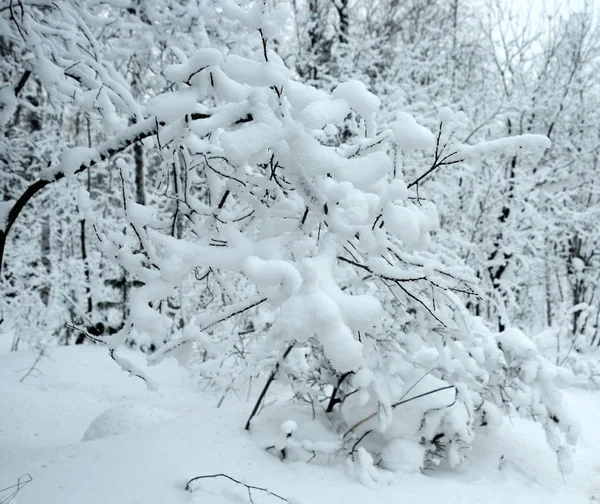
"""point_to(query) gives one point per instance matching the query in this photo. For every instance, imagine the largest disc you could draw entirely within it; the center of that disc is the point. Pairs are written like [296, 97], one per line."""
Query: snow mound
[402, 454]
[125, 418]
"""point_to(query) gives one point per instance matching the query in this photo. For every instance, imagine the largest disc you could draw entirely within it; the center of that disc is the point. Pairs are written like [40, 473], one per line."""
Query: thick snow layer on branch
[170, 106]
[5, 208]
[410, 135]
[255, 73]
[306, 152]
[517, 343]
[145, 319]
[242, 144]
[358, 97]
[365, 170]
[314, 159]
[275, 279]
[319, 113]
[204, 57]
[312, 312]
[402, 222]
[226, 88]
[397, 191]
[71, 160]
[411, 224]
[300, 95]
[50, 73]
[139, 215]
[252, 18]
[354, 208]
[258, 17]
[359, 312]
[508, 145]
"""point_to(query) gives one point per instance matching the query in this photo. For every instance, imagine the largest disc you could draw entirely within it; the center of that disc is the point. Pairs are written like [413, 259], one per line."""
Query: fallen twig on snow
[248, 487]
[16, 488]
[33, 366]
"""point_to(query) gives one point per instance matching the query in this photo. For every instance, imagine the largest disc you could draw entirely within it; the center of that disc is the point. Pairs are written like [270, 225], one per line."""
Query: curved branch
[189, 488]
[104, 151]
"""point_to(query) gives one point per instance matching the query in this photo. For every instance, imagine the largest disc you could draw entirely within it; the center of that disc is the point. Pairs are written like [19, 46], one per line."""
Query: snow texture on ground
[142, 447]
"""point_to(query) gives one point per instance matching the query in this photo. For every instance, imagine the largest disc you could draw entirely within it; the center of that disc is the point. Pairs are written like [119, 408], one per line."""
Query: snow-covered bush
[572, 349]
[330, 247]
[320, 249]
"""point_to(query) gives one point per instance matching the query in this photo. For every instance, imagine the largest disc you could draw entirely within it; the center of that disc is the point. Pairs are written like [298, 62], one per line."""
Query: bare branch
[189, 488]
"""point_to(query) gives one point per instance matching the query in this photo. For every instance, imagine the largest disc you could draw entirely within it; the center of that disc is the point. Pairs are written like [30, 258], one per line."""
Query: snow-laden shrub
[439, 387]
[571, 349]
[323, 249]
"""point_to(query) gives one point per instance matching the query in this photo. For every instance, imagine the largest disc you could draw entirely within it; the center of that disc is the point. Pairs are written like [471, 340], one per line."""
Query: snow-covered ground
[86, 432]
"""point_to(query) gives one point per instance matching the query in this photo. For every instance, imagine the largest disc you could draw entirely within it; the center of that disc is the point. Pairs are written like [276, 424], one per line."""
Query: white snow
[397, 191]
[509, 145]
[320, 113]
[245, 142]
[125, 418]
[402, 221]
[289, 427]
[300, 95]
[8, 104]
[254, 73]
[409, 135]
[308, 313]
[152, 464]
[170, 106]
[406, 417]
[358, 97]
[516, 342]
[71, 160]
[275, 279]
[5, 208]
[402, 454]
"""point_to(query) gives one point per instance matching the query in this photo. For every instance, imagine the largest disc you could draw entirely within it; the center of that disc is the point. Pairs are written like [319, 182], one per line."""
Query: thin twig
[411, 295]
[385, 277]
[333, 399]
[229, 315]
[31, 369]
[17, 487]
[248, 487]
[396, 404]
[22, 82]
[123, 363]
[266, 388]
[86, 334]
[358, 441]
[264, 44]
